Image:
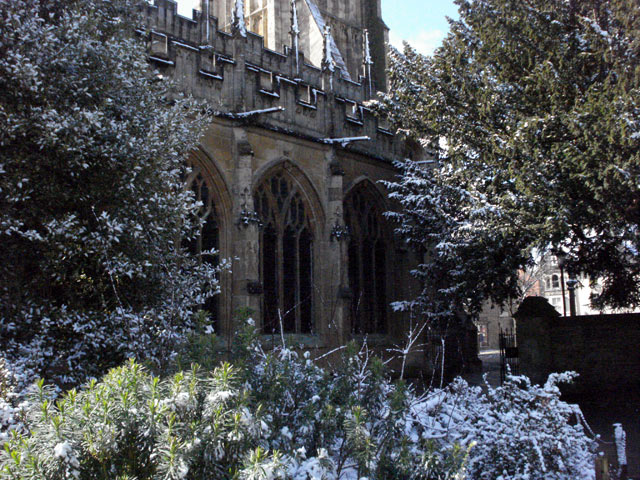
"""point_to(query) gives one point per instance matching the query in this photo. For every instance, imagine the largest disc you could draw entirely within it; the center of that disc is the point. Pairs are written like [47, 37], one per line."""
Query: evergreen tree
[534, 110]
[464, 260]
[92, 203]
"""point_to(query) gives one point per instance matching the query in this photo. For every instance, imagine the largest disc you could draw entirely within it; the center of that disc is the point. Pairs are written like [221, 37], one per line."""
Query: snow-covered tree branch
[92, 203]
[533, 110]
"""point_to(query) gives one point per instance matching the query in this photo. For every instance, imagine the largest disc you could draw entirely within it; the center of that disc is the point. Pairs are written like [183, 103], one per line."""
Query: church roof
[335, 52]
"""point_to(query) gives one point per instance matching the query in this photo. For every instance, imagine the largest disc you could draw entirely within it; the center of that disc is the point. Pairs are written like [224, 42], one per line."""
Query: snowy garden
[109, 369]
[277, 415]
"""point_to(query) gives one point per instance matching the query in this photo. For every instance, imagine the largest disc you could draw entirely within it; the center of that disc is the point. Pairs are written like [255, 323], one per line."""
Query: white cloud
[425, 41]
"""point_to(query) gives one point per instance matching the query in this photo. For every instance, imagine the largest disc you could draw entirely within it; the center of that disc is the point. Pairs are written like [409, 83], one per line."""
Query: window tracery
[207, 237]
[286, 251]
[367, 254]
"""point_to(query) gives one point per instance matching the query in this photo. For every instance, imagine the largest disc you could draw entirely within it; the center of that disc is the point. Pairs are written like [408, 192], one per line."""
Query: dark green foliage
[279, 417]
[534, 107]
[92, 202]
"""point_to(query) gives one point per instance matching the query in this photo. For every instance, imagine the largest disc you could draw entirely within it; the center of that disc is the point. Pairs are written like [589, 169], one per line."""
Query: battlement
[235, 73]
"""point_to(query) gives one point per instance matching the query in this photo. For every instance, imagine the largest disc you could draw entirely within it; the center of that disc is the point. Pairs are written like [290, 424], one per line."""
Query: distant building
[545, 280]
[554, 286]
[491, 320]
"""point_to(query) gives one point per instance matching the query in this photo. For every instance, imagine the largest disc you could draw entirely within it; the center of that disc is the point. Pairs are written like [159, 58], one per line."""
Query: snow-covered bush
[277, 415]
[92, 201]
[9, 419]
[520, 431]
[525, 432]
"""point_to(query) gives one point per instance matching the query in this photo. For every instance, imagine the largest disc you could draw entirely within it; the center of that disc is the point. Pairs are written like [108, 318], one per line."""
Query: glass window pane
[289, 280]
[367, 304]
[367, 262]
[287, 257]
[354, 285]
[270, 279]
[306, 279]
[381, 288]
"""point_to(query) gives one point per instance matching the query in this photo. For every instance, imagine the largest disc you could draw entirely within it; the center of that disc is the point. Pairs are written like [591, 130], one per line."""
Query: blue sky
[420, 22]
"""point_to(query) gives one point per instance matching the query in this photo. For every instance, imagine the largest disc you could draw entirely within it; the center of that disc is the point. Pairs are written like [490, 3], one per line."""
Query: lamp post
[562, 258]
[571, 286]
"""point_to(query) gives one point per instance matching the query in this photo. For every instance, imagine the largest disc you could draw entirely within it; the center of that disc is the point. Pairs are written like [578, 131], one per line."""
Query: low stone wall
[603, 349]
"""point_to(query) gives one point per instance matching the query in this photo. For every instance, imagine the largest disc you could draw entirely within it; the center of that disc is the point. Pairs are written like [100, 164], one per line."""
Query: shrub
[8, 413]
[277, 415]
[520, 431]
[92, 197]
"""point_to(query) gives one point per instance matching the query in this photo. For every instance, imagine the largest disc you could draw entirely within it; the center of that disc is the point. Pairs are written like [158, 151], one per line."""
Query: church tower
[352, 24]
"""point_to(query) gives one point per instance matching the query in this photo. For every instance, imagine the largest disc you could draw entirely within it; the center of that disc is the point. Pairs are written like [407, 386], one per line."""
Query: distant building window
[483, 336]
[256, 18]
[555, 281]
[556, 302]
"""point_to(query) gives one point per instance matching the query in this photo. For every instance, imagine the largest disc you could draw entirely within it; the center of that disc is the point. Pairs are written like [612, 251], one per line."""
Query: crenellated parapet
[235, 73]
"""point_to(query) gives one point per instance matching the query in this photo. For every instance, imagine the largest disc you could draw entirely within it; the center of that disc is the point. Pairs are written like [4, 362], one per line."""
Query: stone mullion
[334, 268]
[296, 301]
[246, 236]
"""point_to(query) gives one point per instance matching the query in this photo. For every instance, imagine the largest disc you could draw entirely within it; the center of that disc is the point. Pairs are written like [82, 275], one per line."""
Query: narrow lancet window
[286, 251]
[207, 237]
[367, 266]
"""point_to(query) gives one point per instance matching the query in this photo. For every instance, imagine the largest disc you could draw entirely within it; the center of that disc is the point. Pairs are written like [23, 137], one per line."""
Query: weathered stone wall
[603, 349]
[236, 74]
[308, 109]
[347, 18]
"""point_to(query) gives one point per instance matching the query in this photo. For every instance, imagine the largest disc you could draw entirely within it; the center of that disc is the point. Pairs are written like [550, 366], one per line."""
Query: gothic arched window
[367, 262]
[207, 237]
[286, 251]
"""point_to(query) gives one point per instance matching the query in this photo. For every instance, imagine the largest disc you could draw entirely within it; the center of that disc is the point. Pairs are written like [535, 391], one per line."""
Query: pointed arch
[209, 187]
[291, 216]
[375, 191]
[368, 257]
[306, 188]
[202, 163]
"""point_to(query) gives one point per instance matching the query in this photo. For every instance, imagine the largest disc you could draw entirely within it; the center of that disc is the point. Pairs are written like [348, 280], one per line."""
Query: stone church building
[289, 169]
